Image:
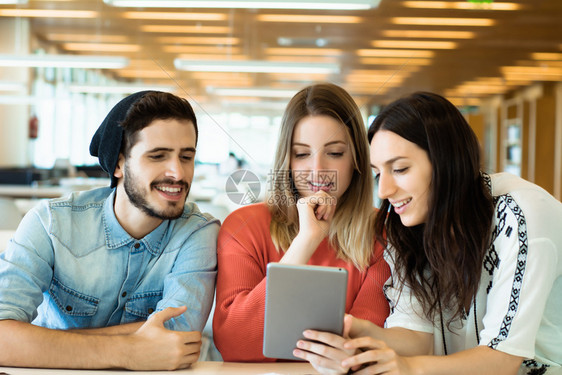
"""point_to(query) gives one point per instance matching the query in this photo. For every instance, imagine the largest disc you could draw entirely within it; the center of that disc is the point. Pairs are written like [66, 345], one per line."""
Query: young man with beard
[118, 277]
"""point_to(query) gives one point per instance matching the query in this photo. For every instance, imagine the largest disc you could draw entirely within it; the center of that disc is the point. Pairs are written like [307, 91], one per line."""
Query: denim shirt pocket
[71, 302]
[141, 305]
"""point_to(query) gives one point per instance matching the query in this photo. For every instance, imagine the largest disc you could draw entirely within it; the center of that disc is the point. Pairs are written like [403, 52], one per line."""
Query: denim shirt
[70, 264]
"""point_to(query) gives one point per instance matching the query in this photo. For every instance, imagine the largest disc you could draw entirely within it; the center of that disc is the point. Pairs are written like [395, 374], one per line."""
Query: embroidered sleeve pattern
[505, 203]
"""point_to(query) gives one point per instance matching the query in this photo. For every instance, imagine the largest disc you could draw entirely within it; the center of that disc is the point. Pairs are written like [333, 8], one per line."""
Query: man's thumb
[168, 313]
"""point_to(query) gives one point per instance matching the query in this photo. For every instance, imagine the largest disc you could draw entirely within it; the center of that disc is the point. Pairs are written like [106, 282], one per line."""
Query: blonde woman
[319, 211]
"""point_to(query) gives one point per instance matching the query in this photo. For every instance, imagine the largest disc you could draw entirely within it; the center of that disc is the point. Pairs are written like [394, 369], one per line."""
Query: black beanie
[106, 142]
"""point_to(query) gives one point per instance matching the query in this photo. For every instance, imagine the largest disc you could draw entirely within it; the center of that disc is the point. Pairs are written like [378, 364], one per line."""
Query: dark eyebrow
[165, 149]
[390, 161]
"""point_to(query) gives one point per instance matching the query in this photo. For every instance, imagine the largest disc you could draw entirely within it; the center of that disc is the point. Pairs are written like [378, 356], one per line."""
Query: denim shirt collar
[116, 236]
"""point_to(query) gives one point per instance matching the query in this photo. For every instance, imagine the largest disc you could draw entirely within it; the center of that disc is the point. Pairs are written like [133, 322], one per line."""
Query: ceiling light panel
[145, 73]
[175, 16]
[547, 56]
[218, 76]
[63, 37]
[394, 61]
[101, 47]
[250, 4]
[412, 54]
[240, 82]
[303, 59]
[531, 70]
[255, 92]
[182, 29]
[443, 21]
[48, 13]
[221, 50]
[210, 56]
[254, 66]
[197, 40]
[429, 34]
[117, 89]
[13, 2]
[307, 18]
[64, 61]
[421, 44]
[466, 5]
[303, 51]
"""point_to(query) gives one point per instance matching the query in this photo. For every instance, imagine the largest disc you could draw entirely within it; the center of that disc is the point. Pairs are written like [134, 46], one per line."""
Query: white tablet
[299, 298]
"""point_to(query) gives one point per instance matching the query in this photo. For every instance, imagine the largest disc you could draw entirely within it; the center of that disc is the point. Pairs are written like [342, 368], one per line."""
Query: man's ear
[120, 167]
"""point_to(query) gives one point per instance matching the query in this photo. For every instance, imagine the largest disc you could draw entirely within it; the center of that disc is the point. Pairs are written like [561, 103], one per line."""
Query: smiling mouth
[168, 189]
[171, 189]
[317, 186]
[401, 203]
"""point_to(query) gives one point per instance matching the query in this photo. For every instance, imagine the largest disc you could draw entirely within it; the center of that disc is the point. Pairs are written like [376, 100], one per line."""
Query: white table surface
[199, 368]
[27, 191]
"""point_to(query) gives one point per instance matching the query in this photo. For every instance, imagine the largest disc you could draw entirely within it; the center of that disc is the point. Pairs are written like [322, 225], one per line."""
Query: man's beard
[138, 197]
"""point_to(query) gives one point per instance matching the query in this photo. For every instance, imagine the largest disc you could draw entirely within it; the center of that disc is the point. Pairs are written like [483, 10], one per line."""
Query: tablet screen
[300, 297]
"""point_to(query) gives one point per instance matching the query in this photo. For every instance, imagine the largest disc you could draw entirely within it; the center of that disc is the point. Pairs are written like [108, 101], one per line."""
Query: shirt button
[150, 310]
[124, 294]
[68, 308]
[137, 245]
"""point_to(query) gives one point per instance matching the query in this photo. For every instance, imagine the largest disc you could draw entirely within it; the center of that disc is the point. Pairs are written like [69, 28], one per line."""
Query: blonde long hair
[352, 229]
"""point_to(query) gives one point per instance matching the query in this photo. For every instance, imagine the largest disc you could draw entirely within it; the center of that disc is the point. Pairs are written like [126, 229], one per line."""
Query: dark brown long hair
[441, 260]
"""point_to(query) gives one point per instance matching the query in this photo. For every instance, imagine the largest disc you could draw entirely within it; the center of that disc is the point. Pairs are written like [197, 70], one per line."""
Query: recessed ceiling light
[307, 18]
[257, 92]
[412, 54]
[470, 5]
[431, 34]
[64, 61]
[48, 13]
[442, 21]
[250, 4]
[118, 89]
[177, 16]
[252, 66]
[186, 29]
[421, 44]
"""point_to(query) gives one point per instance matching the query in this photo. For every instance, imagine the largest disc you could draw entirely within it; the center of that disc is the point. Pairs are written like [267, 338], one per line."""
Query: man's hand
[156, 348]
